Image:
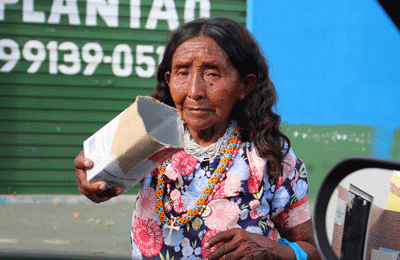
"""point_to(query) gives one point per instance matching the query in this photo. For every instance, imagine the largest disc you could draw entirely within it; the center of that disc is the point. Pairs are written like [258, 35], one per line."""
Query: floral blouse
[247, 198]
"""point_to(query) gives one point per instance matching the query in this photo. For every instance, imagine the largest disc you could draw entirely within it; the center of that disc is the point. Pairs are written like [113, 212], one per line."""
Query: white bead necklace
[213, 150]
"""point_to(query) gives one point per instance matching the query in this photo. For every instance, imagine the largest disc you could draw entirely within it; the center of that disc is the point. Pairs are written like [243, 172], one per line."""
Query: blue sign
[332, 63]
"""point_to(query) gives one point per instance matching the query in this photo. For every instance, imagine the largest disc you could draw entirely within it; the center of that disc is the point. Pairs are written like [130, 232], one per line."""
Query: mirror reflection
[363, 216]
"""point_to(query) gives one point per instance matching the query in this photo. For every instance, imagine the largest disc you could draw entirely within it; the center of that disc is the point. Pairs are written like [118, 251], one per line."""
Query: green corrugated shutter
[70, 66]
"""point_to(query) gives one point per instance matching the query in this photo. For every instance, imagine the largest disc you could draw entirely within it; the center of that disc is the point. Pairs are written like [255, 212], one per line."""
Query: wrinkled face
[204, 85]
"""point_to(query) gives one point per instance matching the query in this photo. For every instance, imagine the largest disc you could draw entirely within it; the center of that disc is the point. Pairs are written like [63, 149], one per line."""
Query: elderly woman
[236, 190]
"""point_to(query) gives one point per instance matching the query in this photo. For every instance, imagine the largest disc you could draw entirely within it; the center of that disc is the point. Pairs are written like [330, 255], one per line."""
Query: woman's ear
[250, 82]
[167, 76]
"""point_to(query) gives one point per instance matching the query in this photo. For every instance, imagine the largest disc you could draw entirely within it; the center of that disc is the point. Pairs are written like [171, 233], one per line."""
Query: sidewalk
[66, 223]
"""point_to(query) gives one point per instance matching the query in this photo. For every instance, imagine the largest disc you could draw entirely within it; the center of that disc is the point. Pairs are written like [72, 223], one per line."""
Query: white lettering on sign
[66, 58]
[169, 14]
[58, 8]
[36, 57]
[190, 6]
[9, 52]
[148, 61]
[135, 14]
[70, 58]
[3, 7]
[117, 68]
[108, 10]
[92, 60]
[53, 57]
[30, 15]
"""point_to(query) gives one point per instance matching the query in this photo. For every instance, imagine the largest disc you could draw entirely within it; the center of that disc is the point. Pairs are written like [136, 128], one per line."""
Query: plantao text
[107, 10]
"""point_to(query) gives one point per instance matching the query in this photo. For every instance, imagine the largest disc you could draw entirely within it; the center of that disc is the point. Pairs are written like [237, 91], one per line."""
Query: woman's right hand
[96, 191]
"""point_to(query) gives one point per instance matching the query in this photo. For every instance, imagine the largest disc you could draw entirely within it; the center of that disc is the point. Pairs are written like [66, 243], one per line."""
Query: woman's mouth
[198, 109]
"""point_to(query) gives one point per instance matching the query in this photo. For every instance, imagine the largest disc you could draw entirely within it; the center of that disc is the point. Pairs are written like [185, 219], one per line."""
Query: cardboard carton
[135, 142]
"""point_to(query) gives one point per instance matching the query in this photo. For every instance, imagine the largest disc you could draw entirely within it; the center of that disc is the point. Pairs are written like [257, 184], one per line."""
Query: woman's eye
[182, 73]
[212, 74]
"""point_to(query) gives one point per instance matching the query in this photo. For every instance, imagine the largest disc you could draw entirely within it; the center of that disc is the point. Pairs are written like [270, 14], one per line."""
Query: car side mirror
[357, 210]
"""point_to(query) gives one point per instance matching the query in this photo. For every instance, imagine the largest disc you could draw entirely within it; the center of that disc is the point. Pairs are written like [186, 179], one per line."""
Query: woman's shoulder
[258, 165]
[288, 150]
[248, 149]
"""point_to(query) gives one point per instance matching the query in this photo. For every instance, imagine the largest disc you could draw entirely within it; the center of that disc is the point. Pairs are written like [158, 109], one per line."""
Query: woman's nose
[197, 87]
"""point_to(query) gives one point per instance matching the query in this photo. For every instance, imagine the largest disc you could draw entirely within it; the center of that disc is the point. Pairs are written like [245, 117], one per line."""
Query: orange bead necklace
[199, 206]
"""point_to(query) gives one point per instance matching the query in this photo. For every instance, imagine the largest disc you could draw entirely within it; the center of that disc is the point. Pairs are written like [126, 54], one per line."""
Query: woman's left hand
[240, 244]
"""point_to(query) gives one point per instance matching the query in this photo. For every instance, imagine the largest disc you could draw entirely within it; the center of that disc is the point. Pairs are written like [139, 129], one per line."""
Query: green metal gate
[67, 67]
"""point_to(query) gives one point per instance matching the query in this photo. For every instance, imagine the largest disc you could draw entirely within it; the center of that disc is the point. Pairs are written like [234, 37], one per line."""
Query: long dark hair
[257, 120]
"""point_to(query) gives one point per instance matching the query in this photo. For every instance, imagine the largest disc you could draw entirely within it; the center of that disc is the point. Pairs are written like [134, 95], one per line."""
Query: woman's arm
[302, 234]
[97, 191]
[241, 244]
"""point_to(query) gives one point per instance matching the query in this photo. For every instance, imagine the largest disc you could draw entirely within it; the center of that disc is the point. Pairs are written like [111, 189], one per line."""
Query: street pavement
[66, 224]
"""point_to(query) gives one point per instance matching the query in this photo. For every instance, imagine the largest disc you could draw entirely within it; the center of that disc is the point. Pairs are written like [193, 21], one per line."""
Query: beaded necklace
[211, 151]
[200, 204]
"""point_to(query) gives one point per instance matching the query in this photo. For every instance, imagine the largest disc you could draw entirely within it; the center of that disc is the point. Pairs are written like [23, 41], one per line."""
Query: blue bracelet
[300, 254]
